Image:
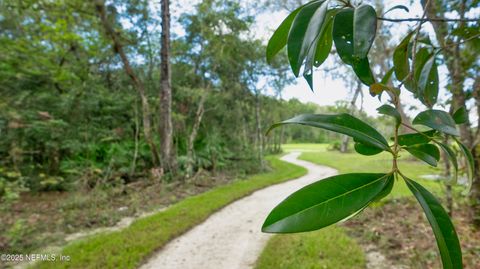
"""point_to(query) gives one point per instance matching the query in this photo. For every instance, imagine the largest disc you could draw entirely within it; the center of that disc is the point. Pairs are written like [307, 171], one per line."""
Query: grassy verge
[129, 247]
[329, 248]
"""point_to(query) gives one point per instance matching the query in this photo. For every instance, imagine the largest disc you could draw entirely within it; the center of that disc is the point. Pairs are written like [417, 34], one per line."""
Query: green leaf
[416, 138]
[341, 123]
[469, 160]
[461, 115]
[428, 83]
[325, 42]
[320, 48]
[400, 58]
[452, 157]
[390, 111]
[366, 150]
[397, 7]
[280, 36]
[343, 35]
[304, 33]
[363, 71]
[386, 190]
[421, 58]
[442, 226]
[425, 152]
[343, 39]
[387, 76]
[438, 120]
[325, 202]
[364, 30]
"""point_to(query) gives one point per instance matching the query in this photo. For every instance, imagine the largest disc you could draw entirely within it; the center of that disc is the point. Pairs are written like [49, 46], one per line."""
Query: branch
[428, 19]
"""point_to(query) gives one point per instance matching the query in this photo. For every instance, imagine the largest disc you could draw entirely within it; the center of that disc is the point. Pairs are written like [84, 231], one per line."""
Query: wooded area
[119, 104]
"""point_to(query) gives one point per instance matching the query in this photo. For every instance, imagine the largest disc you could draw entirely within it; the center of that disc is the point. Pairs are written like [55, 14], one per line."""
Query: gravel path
[231, 238]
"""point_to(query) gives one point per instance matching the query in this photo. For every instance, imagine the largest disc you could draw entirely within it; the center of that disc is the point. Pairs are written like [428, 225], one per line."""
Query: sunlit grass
[329, 248]
[353, 163]
[381, 163]
[304, 147]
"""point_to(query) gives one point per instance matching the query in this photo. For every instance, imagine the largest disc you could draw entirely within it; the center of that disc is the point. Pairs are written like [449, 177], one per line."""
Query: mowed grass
[329, 248]
[129, 247]
[381, 163]
[304, 147]
[332, 247]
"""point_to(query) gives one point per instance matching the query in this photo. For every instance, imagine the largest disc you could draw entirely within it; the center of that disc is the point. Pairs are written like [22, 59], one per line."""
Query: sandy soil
[231, 238]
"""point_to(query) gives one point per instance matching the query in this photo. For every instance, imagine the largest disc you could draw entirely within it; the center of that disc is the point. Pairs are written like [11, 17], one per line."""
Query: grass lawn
[129, 247]
[304, 147]
[331, 247]
[353, 162]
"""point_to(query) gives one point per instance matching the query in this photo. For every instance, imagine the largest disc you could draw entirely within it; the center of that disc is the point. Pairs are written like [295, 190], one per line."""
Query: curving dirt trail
[231, 238]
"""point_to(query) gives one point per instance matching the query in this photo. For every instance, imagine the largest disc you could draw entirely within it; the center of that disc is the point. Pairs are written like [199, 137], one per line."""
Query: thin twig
[428, 19]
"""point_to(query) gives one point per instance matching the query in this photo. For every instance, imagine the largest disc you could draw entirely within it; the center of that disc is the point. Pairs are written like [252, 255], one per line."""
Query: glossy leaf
[442, 226]
[427, 89]
[421, 58]
[325, 202]
[343, 35]
[390, 111]
[469, 160]
[425, 152]
[366, 150]
[341, 123]
[451, 157]
[320, 48]
[280, 36]
[363, 71]
[364, 30]
[325, 41]
[461, 115]
[416, 138]
[386, 190]
[343, 39]
[438, 120]
[304, 32]
[400, 58]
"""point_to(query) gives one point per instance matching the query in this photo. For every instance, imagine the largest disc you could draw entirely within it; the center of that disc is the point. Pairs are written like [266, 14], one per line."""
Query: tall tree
[136, 82]
[166, 127]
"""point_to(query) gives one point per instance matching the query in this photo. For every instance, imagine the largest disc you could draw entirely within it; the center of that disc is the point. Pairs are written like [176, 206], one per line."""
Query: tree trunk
[475, 193]
[166, 127]
[193, 134]
[258, 137]
[344, 145]
[135, 152]
[137, 83]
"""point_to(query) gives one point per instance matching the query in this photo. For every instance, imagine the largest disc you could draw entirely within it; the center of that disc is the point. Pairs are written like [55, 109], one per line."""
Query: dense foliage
[71, 119]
